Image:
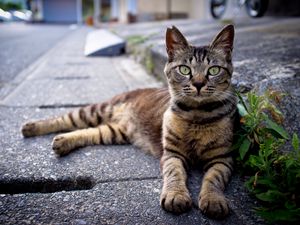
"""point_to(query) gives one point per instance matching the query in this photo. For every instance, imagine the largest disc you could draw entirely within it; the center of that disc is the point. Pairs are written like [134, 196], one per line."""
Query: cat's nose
[198, 85]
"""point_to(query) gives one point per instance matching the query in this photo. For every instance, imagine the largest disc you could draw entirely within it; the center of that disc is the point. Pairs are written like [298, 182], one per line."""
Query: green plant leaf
[290, 205]
[136, 39]
[271, 196]
[289, 163]
[256, 161]
[242, 101]
[242, 110]
[249, 183]
[280, 215]
[254, 101]
[266, 183]
[238, 139]
[279, 129]
[244, 148]
[295, 142]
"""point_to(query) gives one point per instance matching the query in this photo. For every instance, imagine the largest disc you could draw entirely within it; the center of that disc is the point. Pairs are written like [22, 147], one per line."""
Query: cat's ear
[175, 42]
[224, 39]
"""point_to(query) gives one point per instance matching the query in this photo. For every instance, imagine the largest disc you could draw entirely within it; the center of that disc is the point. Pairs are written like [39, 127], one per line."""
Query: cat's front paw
[29, 129]
[61, 145]
[176, 201]
[214, 205]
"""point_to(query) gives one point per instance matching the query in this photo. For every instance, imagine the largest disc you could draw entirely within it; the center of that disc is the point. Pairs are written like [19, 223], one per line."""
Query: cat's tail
[88, 116]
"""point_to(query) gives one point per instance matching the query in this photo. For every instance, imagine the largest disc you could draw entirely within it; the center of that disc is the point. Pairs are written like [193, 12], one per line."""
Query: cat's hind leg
[89, 116]
[104, 134]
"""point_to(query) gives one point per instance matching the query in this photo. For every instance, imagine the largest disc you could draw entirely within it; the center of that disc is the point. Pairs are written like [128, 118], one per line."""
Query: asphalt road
[21, 44]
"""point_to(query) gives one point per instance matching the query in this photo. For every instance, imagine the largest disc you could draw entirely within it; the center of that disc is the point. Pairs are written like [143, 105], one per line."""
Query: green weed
[274, 175]
[139, 39]
[10, 5]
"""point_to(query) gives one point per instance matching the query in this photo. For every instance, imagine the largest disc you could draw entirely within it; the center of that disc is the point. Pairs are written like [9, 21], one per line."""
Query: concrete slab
[75, 90]
[132, 202]
[157, 29]
[103, 43]
[122, 202]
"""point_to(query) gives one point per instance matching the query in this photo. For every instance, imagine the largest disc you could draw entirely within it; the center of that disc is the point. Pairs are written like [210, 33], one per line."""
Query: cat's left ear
[175, 42]
[224, 40]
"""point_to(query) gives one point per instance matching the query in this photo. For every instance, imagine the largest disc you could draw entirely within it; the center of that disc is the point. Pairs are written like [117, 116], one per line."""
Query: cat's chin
[201, 97]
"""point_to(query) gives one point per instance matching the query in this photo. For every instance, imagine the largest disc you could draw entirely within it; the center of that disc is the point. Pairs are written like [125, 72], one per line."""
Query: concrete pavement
[22, 44]
[99, 184]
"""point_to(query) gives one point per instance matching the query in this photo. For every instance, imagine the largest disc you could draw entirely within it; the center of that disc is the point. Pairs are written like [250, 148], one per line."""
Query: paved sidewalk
[94, 185]
[21, 44]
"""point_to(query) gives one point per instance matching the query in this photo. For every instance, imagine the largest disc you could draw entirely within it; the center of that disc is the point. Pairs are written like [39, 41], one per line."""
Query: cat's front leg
[212, 201]
[64, 143]
[175, 196]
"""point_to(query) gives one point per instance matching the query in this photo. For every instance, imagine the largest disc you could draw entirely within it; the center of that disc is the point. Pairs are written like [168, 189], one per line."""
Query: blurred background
[30, 28]
[93, 12]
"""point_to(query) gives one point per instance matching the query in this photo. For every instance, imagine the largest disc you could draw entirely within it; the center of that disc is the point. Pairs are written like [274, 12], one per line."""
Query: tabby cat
[190, 123]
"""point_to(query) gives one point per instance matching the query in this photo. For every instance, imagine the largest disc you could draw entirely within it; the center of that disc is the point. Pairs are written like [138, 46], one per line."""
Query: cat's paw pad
[176, 201]
[29, 129]
[61, 145]
[214, 205]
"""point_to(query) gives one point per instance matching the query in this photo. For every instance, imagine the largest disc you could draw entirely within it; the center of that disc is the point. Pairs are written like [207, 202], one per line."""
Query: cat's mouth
[205, 91]
[199, 95]
[202, 94]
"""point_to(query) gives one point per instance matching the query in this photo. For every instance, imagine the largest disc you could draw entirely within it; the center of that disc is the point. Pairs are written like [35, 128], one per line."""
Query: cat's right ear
[224, 40]
[175, 42]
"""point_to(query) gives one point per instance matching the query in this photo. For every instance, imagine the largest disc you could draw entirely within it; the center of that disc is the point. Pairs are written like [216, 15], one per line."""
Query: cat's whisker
[229, 97]
[229, 94]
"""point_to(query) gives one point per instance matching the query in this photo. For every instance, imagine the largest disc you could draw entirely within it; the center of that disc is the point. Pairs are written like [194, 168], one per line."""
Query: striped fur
[190, 123]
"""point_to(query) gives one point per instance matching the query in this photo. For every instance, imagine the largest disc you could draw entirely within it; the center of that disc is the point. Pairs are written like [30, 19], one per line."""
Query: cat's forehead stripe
[191, 59]
[194, 60]
[199, 53]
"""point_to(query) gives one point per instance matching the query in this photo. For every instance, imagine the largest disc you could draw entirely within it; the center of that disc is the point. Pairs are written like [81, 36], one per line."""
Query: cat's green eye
[184, 70]
[214, 70]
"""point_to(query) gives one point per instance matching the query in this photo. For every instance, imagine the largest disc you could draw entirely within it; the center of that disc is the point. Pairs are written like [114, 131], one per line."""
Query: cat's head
[198, 74]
